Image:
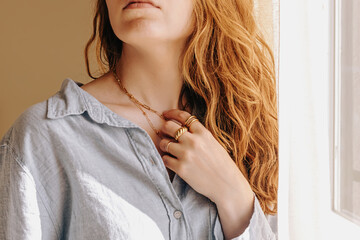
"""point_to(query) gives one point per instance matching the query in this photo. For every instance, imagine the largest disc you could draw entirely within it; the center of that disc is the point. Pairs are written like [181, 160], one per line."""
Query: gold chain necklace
[140, 105]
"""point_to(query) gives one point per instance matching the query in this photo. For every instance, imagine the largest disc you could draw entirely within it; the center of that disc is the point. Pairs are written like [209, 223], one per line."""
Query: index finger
[181, 117]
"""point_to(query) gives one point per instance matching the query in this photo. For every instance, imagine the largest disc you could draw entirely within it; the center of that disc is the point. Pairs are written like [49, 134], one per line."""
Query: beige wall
[42, 43]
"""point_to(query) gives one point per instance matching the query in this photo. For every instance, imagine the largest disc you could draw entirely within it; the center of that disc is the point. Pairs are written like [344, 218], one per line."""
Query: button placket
[179, 228]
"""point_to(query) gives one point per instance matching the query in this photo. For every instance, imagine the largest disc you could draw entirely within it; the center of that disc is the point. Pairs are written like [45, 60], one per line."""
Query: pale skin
[153, 38]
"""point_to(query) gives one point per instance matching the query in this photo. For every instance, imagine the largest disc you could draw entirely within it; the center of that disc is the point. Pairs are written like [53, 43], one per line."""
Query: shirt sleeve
[261, 227]
[21, 212]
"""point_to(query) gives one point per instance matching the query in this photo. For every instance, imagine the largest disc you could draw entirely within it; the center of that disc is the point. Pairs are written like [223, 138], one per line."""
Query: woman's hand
[199, 159]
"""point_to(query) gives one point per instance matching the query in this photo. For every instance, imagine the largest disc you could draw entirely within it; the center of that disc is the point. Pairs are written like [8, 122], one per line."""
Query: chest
[115, 182]
[149, 122]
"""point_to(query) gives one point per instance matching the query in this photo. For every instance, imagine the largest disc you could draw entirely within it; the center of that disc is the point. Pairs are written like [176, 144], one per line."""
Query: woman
[122, 157]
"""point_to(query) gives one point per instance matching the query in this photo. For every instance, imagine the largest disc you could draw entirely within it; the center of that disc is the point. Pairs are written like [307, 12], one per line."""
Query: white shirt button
[177, 214]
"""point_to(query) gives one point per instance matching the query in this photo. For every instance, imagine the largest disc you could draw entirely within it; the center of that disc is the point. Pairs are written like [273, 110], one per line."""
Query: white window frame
[336, 111]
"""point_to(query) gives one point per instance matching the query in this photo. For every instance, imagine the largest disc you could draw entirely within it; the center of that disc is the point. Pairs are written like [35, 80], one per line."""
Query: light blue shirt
[70, 168]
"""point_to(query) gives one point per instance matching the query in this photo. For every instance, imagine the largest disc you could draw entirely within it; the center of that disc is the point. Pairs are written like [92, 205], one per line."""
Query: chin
[140, 30]
[141, 41]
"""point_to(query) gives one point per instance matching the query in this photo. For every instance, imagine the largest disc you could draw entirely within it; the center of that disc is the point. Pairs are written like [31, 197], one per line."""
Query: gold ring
[190, 121]
[167, 146]
[180, 132]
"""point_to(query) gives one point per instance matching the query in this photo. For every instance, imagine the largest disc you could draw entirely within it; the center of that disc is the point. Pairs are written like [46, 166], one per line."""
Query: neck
[153, 77]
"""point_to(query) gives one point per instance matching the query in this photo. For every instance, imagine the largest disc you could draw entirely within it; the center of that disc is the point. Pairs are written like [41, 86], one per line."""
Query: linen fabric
[70, 168]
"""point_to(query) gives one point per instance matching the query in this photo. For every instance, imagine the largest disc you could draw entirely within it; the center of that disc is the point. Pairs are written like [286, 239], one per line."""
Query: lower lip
[139, 5]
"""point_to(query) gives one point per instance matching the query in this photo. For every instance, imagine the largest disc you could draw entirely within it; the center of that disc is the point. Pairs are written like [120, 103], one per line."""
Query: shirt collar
[73, 100]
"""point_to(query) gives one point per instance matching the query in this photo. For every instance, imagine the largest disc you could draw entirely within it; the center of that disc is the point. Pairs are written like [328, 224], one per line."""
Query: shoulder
[33, 117]
[22, 139]
[35, 124]
[31, 121]
[30, 118]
